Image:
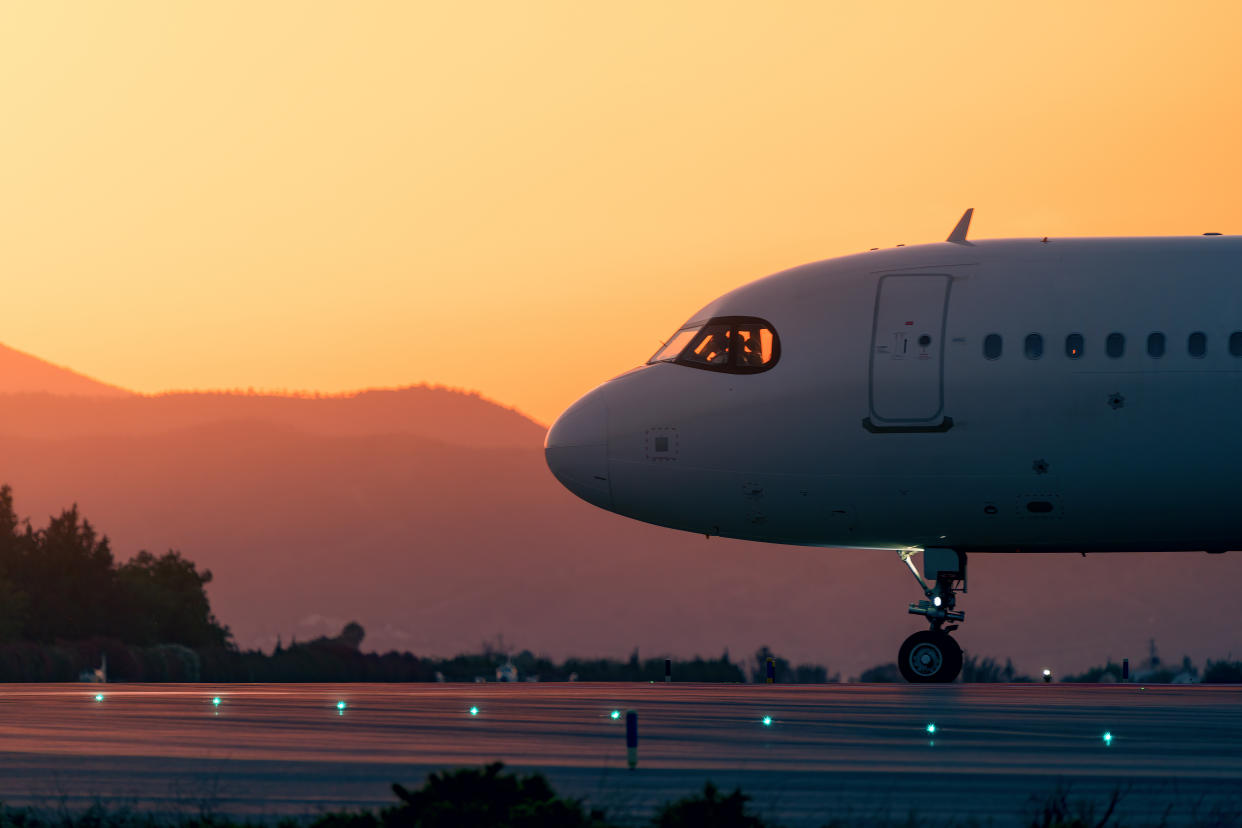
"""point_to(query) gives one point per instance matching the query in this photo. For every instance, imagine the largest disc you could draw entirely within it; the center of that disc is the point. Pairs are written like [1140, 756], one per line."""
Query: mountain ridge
[22, 373]
[436, 412]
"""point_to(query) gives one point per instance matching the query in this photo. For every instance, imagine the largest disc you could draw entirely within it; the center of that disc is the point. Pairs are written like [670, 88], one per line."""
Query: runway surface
[830, 750]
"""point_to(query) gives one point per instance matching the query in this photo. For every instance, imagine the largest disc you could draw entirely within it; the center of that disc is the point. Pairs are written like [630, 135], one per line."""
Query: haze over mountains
[429, 516]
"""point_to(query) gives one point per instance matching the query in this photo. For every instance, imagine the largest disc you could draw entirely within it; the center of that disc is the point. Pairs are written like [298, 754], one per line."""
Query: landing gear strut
[932, 655]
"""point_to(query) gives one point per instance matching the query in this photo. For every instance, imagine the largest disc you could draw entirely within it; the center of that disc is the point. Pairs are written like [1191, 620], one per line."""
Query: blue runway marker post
[631, 738]
[1125, 669]
[771, 670]
[668, 670]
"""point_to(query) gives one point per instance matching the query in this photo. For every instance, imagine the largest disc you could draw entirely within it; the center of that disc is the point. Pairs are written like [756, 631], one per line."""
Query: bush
[482, 798]
[976, 670]
[882, 674]
[1106, 673]
[1057, 810]
[1223, 672]
[708, 810]
[170, 662]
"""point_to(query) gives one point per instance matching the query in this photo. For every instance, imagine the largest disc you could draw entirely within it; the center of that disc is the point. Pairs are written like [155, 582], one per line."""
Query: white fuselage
[884, 423]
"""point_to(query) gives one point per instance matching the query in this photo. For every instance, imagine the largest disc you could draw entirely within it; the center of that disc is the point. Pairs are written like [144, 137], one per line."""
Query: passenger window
[1235, 344]
[736, 344]
[1115, 345]
[1155, 345]
[992, 346]
[1073, 346]
[1034, 346]
[1196, 344]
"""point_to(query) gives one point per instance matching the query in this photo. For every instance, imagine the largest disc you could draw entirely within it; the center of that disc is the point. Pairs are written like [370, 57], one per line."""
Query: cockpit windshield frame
[702, 338]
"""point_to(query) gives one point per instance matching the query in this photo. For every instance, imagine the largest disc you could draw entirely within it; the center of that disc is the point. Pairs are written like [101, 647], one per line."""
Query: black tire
[929, 656]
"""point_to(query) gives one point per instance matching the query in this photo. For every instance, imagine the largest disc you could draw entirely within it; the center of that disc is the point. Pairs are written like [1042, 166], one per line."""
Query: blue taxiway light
[614, 715]
[1108, 737]
[99, 697]
[931, 728]
[474, 711]
[767, 721]
[215, 701]
[340, 708]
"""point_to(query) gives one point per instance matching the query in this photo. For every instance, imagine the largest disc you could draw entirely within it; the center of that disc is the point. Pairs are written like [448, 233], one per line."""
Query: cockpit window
[736, 344]
[675, 345]
[710, 347]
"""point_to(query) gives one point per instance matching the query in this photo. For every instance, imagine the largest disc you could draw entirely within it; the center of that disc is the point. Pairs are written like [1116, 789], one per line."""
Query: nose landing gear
[932, 655]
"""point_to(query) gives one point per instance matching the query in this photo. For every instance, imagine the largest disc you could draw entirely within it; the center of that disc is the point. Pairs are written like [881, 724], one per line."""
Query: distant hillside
[22, 373]
[435, 413]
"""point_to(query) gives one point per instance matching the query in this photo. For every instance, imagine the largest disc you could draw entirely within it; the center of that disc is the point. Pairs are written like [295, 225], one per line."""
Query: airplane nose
[576, 450]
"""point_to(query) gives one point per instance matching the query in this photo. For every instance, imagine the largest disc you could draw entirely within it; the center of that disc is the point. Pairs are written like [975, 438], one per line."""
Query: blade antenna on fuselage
[958, 236]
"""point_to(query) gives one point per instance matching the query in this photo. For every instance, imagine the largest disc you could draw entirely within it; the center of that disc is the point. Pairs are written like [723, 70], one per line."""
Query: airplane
[1036, 395]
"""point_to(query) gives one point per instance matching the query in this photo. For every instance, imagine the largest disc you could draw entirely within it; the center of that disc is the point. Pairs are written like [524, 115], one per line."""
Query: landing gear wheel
[929, 656]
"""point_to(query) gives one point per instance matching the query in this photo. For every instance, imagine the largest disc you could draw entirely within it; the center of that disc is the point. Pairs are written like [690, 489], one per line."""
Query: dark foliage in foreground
[708, 808]
[470, 798]
[491, 797]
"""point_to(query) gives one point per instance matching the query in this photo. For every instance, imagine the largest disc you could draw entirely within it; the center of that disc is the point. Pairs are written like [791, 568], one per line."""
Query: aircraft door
[907, 354]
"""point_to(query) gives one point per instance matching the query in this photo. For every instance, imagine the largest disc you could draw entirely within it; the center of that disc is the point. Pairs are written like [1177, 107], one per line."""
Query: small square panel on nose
[662, 444]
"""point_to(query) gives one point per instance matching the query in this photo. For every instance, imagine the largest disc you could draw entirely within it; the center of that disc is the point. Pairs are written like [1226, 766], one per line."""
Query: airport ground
[805, 753]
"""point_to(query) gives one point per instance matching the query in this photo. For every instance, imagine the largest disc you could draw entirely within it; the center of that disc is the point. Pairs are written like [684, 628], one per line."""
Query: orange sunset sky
[525, 198]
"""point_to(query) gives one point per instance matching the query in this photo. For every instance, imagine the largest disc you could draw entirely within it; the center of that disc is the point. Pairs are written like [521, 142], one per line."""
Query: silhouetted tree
[163, 600]
[61, 583]
[352, 635]
[67, 573]
[1223, 672]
